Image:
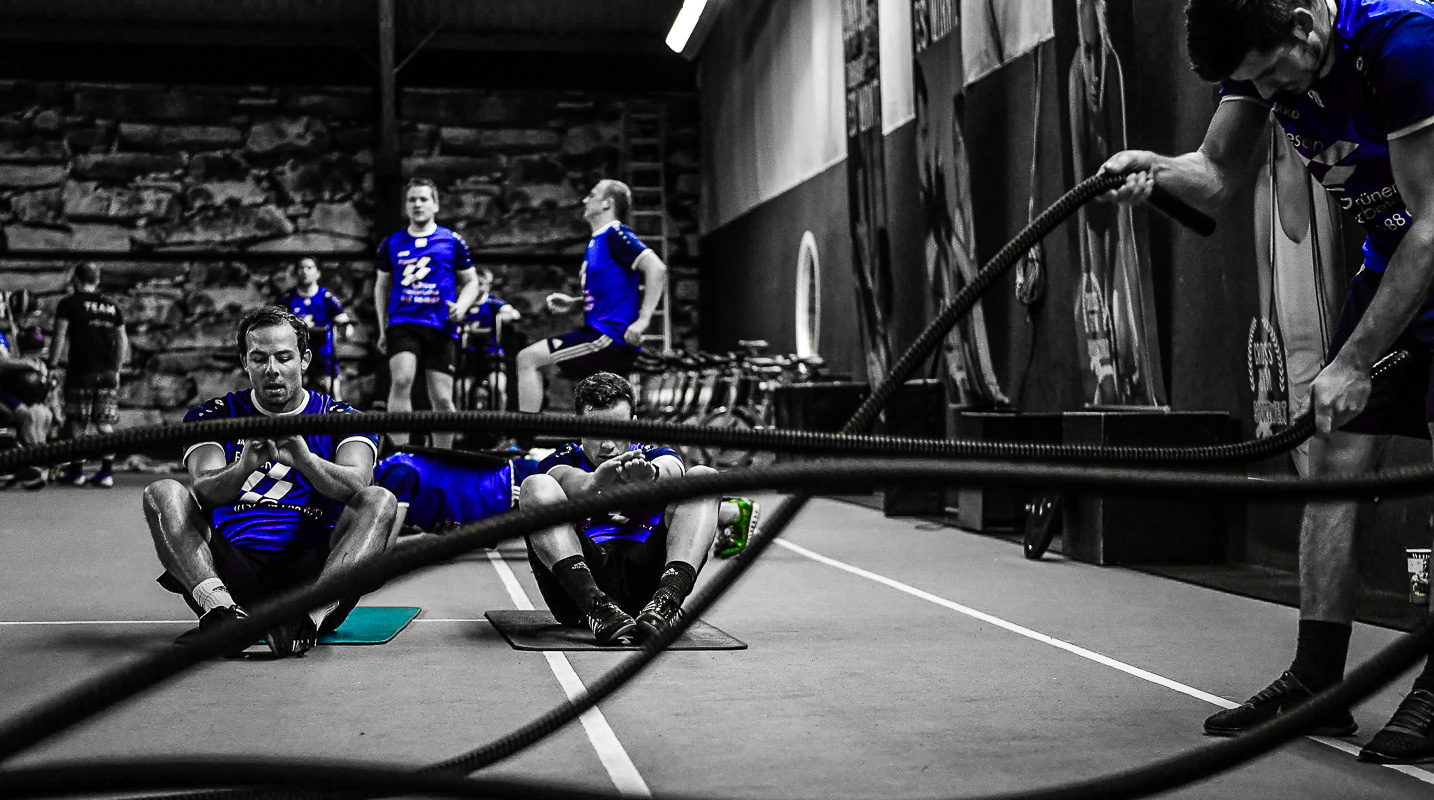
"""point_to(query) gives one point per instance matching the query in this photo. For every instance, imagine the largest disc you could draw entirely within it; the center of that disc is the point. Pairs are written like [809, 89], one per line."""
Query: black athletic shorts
[436, 346]
[627, 571]
[1400, 403]
[586, 351]
[253, 576]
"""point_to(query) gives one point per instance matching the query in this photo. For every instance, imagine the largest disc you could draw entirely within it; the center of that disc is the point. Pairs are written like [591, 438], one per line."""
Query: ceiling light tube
[685, 23]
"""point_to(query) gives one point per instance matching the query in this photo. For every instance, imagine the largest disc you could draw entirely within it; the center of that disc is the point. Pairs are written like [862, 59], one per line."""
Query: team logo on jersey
[1265, 362]
[417, 271]
[420, 242]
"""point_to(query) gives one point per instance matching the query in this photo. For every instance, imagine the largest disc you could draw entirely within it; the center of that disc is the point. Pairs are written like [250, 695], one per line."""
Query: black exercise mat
[537, 630]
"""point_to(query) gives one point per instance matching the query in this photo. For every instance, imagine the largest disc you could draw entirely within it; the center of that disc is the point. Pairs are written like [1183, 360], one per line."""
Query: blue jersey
[483, 318]
[4, 342]
[634, 524]
[320, 311]
[611, 296]
[442, 493]
[425, 276]
[277, 508]
[1380, 88]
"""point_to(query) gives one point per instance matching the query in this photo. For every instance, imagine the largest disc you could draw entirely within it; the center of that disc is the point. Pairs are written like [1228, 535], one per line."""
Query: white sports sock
[211, 594]
[319, 615]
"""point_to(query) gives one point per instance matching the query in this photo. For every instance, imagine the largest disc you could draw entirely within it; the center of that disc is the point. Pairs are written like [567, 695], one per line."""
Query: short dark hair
[621, 197]
[87, 273]
[1220, 33]
[270, 316]
[414, 183]
[602, 390]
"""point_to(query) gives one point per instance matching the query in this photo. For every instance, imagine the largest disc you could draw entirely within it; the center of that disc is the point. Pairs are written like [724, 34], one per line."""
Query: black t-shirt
[93, 334]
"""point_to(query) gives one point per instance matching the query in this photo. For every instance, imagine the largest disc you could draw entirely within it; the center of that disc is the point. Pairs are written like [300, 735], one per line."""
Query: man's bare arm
[216, 483]
[1204, 178]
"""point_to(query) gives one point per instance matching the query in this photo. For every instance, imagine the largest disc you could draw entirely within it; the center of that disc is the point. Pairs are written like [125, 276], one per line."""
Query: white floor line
[1144, 675]
[610, 751]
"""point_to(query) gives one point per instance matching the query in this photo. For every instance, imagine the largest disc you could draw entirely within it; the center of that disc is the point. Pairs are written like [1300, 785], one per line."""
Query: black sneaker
[292, 638]
[1282, 695]
[1409, 736]
[608, 622]
[224, 615]
[657, 616]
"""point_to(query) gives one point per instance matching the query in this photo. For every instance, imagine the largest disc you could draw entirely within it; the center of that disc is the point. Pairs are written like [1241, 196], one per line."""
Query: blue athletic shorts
[1401, 402]
[586, 351]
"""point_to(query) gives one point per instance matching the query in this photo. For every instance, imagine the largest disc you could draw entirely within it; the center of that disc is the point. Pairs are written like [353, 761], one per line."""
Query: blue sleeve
[1403, 76]
[335, 307]
[4, 342]
[657, 450]
[623, 245]
[217, 408]
[384, 256]
[462, 258]
[564, 456]
[340, 407]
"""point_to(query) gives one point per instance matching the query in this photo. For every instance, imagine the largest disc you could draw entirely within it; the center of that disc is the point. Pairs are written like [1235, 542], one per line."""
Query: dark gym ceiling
[616, 45]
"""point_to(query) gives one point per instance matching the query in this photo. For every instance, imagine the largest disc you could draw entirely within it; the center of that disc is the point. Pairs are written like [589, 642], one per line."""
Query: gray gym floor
[887, 658]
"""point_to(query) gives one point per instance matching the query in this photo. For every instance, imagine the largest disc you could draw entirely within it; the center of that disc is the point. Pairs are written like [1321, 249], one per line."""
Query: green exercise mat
[364, 625]
[537, 630]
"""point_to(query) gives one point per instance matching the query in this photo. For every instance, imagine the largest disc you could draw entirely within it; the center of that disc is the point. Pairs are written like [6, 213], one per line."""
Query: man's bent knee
[541, 489]
[374, 500]
[165, 492]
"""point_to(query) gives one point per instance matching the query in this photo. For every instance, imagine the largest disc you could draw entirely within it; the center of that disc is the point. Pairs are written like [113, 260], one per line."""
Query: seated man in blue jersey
[323, 312]
[482, 343]
[263, 516]
[614, 319]
[637, 563]
[1351, 82]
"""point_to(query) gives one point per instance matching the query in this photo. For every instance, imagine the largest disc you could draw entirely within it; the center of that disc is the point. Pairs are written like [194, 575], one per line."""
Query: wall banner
[866, 181]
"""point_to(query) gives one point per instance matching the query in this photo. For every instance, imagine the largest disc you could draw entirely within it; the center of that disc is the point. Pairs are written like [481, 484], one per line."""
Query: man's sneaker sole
[1336, 730]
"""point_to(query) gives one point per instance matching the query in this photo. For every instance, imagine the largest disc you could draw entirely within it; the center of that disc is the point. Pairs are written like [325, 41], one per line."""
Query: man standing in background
[418, 312]
[318, 307]
[90, 328]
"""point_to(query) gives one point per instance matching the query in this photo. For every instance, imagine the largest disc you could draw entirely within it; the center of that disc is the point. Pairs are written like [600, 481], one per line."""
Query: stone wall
[241, 174]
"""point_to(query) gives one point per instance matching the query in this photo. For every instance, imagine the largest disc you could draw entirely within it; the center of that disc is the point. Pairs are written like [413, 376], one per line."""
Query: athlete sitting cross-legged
[636, 562]
[265, 516]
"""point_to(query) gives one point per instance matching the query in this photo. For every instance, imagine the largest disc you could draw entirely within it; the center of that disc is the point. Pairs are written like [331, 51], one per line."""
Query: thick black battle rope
[772, 439]
[47, 718]
[295, 602]
[366, 778]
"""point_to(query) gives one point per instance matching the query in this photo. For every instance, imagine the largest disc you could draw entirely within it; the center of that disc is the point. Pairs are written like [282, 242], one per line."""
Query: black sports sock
[1320, 653]
[1425, 680]
[576, 578]
[678, 579]
[107, 464]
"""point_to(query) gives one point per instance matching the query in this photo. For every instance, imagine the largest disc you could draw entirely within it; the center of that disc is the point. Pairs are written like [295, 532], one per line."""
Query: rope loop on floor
[45, 719]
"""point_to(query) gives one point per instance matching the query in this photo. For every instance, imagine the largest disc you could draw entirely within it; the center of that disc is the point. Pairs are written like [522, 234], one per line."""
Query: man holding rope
[1352, 84]
[263, 516]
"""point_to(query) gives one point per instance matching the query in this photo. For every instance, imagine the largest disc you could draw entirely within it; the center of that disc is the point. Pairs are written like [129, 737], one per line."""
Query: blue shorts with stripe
[585, 351]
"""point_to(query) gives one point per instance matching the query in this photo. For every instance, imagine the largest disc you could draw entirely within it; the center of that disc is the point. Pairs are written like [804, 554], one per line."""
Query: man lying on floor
[638, 562]
[448, 488]
[287, 511]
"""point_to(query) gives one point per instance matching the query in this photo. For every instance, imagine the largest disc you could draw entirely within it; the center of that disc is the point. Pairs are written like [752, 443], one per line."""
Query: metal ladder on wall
[644, 155]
